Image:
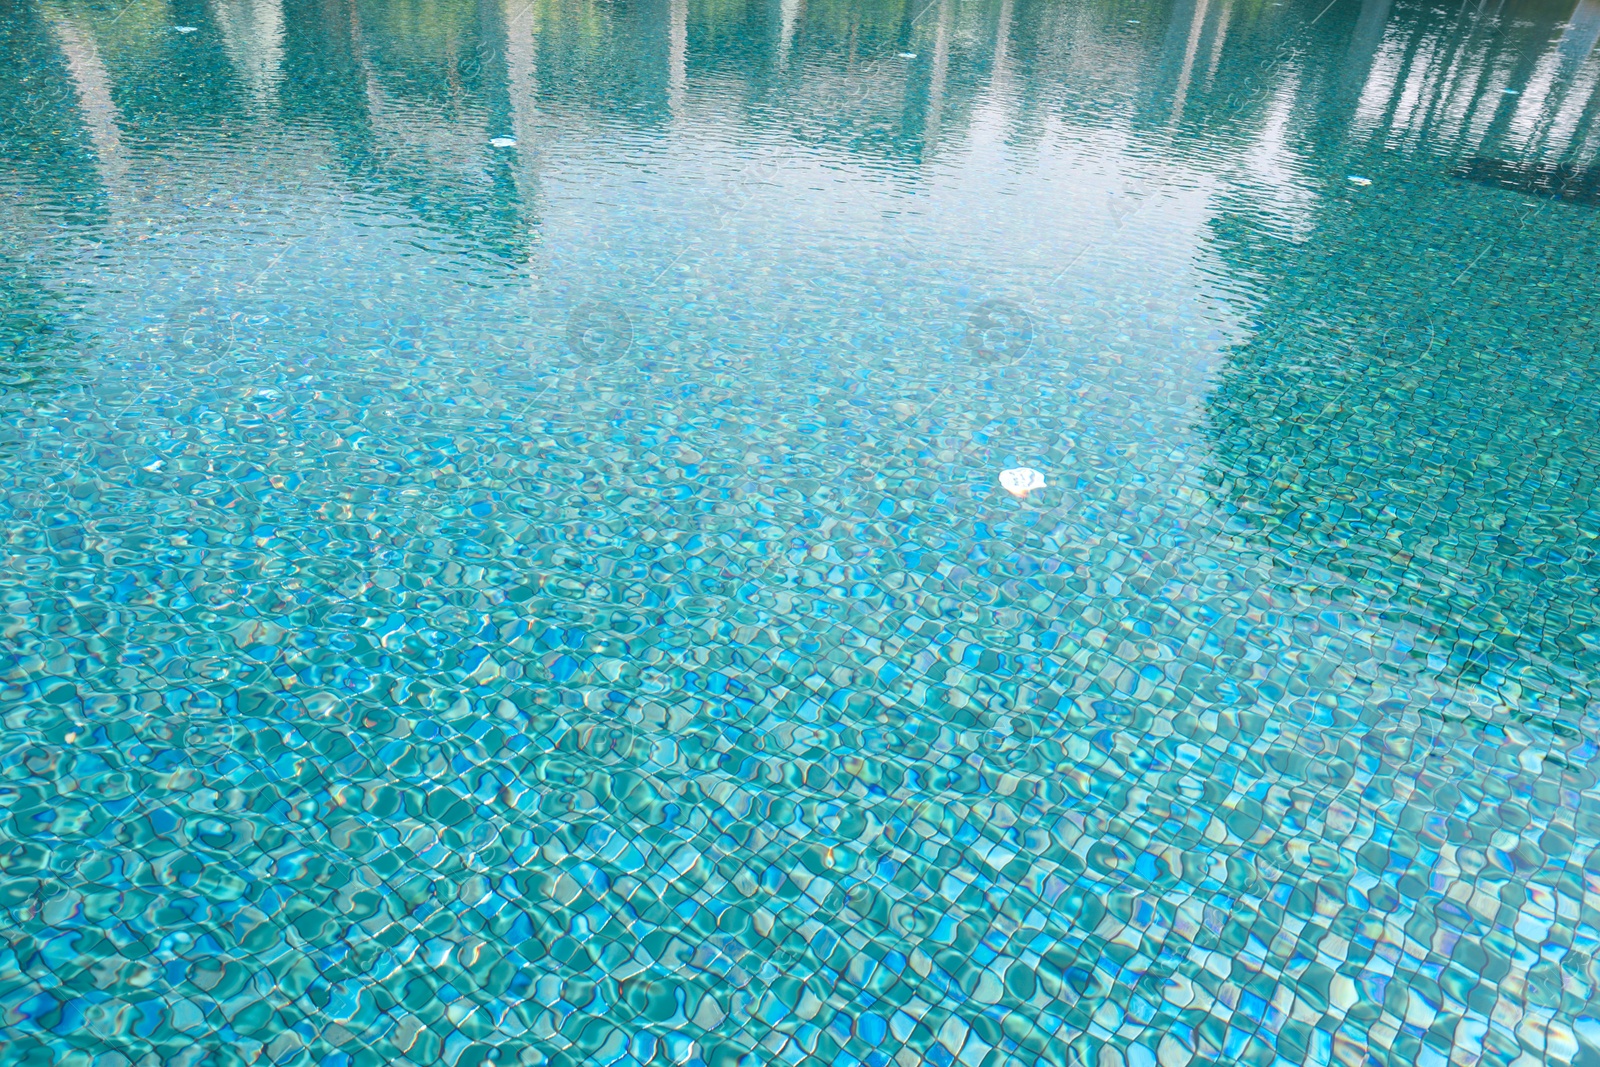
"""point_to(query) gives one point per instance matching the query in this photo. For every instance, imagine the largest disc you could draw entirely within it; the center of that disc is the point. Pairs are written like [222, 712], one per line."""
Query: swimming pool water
[505, 558]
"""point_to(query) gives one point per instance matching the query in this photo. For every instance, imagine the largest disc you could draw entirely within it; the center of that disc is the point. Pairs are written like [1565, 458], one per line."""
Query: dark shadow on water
[1556, 181]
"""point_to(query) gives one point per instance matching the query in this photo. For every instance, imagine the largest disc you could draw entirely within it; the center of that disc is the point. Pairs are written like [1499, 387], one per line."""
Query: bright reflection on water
[506, 561]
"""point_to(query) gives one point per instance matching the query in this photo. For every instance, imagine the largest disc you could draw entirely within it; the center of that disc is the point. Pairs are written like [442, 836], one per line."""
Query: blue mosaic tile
[972, 533]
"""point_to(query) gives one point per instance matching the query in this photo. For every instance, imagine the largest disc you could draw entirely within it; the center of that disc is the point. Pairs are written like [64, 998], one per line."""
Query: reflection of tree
[1416, 409]
[170, 89]
[50, 180]
[426, 51]
[46, 150]
[410, 101]
[891, 80]
[878, 79]
[609, 60]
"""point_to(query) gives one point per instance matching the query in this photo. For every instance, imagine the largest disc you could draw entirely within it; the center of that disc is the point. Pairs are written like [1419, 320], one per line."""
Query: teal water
[505, 558]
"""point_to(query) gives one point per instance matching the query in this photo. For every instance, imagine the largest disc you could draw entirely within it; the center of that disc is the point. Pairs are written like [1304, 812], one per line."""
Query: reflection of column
[677, 56]
[521, 73]
[1452, 97]
[1569, 124]
[1002, 44]
[1196, 25]
[1363, 46]
[1554, 101]
[1467, 96]
[1528, 77]
[93, 82]
[789, 17]
[523, 88]
[252, 34]
[1219, 37]
[1583, 129]
[941, 62]
[1384, 87]
[1539, 96]
[374, 93]
[989, 115]
[1583, 30]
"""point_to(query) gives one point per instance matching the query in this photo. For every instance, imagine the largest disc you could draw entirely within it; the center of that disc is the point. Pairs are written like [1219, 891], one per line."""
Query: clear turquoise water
[504, 557]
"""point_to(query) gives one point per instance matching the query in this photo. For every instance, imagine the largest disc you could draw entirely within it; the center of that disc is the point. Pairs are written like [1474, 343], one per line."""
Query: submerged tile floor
[505, 562]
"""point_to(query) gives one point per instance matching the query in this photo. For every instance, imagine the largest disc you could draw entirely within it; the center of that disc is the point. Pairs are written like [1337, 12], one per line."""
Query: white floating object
[1509, 92]
[1020, 481]
[155, 466]
[504, 142]
[908, 55]
[1356, 179]
[186, 29]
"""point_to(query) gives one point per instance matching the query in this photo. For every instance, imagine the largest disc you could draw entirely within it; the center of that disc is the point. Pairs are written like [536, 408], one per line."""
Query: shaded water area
[504, 557]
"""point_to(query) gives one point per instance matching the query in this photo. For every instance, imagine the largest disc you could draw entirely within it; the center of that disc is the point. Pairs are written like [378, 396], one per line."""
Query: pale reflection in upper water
[252, 33]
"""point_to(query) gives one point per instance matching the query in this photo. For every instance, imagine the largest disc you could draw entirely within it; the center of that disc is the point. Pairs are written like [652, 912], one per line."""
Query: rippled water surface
[504, 557]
